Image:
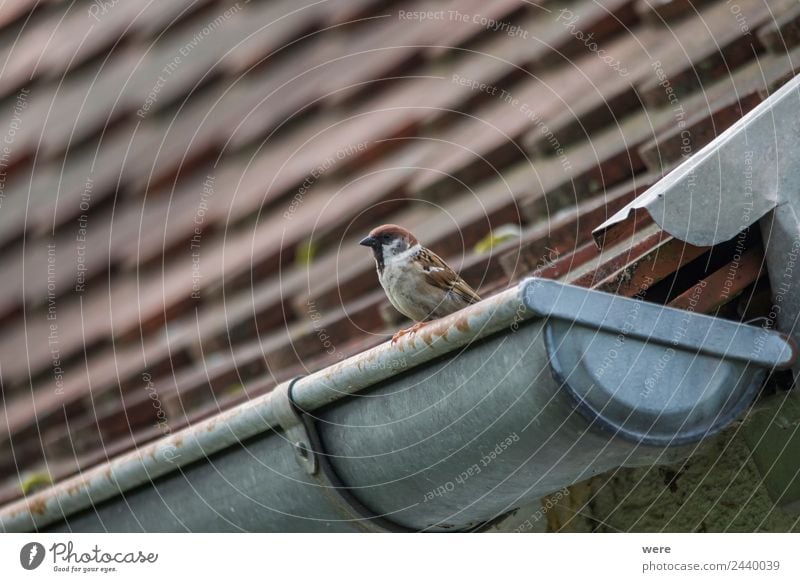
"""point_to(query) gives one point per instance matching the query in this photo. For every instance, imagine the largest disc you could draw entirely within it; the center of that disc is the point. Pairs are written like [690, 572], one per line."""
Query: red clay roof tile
[241, 176]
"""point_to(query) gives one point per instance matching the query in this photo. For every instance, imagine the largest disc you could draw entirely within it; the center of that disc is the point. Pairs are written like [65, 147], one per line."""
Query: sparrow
[418, 283]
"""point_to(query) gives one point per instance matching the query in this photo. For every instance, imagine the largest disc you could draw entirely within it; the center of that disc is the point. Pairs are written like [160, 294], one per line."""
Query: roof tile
[707, 48]
[231, 161]
[783, 33]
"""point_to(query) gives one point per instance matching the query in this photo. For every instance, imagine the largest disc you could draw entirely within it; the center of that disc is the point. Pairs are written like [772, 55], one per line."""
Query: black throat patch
[378, 252]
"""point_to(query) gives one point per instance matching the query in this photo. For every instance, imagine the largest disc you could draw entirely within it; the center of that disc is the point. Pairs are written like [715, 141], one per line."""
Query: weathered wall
[717, 490]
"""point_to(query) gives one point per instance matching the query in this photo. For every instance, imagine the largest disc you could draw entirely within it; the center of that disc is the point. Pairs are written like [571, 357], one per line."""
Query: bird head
[388, 241]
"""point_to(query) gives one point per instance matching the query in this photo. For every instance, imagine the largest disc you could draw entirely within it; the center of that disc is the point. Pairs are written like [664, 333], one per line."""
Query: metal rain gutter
[536, 388]
[750, 173]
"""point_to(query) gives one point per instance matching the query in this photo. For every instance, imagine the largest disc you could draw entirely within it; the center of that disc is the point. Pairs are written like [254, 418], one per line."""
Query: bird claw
[409, 331]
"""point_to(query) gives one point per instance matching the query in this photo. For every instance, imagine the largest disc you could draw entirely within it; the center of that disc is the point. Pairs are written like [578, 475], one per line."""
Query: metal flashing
[731, 183]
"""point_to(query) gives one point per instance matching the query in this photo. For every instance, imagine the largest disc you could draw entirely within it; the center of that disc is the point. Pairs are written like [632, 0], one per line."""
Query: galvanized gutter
[481, 412]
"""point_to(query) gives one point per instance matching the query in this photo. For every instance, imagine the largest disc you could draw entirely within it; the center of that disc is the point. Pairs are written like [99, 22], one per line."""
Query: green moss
[233, 389]
[497, 237]
[305, 253]
[35, 482]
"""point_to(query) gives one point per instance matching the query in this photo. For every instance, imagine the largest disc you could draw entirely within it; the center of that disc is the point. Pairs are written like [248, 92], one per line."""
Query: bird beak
[369, 241]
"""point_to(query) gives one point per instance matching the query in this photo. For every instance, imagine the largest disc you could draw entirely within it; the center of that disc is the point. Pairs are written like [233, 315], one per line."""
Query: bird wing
[440, 275]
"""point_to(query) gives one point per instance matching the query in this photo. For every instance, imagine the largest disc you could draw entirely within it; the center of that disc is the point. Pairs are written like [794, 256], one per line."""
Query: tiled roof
[184, 183]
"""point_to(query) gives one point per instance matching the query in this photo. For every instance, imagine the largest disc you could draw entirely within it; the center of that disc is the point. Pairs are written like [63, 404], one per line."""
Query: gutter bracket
[299, 430]
[295, 428]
